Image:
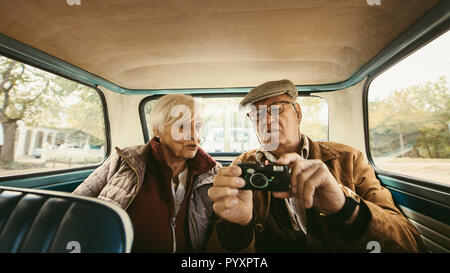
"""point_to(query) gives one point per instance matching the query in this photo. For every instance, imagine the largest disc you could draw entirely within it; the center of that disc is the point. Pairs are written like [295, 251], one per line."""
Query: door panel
[66, 182]
[426, 208]
[434, 241]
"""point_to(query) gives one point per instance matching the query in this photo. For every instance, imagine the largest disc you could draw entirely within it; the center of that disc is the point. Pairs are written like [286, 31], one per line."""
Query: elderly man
[335, 202]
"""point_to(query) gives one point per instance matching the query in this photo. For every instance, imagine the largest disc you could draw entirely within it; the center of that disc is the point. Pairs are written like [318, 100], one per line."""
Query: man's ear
[298, 109]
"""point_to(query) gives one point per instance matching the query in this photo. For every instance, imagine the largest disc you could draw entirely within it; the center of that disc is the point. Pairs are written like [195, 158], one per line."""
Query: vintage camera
[265, 176]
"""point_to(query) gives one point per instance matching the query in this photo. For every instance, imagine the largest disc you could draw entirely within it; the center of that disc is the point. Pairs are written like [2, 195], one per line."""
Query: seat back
[41, 221]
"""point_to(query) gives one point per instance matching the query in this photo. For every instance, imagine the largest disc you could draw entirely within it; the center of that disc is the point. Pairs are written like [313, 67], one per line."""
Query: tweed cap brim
[267, 90]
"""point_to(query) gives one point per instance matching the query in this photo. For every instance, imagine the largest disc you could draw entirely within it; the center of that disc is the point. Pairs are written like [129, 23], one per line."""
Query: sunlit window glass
[409, 117]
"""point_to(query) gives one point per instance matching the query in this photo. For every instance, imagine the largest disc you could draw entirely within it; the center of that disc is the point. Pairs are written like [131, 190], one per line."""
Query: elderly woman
[162, 185]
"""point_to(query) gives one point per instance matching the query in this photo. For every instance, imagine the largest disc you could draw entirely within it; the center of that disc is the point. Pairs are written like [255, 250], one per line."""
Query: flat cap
[269, 89]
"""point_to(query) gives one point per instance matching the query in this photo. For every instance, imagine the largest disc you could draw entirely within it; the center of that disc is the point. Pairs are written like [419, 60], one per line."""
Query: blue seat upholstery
[41, 221]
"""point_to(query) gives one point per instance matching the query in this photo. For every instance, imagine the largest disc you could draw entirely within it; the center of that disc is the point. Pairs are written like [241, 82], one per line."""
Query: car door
[408, 136]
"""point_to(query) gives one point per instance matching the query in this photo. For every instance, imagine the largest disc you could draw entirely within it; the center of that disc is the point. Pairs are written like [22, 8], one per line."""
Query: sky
[426, 64]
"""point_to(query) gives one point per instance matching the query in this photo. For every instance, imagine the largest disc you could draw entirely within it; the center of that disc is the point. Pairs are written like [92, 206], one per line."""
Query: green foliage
[41, 99]
[417, 116]
[87, 114]
[312, 125]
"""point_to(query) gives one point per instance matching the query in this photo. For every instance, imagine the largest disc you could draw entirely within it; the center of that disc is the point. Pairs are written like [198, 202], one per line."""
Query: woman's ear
[156, 132]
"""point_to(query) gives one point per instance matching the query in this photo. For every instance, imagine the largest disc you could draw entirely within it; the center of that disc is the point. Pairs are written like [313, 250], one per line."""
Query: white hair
[167, 109]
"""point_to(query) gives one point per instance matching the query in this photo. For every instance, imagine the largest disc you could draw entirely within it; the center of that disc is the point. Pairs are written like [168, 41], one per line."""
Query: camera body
[265, 176]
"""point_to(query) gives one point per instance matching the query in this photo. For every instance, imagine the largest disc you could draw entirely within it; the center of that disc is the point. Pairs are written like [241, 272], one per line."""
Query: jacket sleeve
[230, 237]
[96, 181]
[385, 223]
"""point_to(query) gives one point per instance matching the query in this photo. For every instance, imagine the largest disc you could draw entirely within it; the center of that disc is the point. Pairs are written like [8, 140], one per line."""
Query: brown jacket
[386, 224]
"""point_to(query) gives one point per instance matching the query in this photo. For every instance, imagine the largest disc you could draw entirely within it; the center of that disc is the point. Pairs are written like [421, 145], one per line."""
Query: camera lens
[259, 180]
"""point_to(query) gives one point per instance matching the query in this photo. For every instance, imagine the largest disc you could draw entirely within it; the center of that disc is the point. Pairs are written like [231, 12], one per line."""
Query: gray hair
[166, 109]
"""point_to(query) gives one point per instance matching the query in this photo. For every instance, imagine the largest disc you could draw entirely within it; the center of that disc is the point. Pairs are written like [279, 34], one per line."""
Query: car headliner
[169, 44]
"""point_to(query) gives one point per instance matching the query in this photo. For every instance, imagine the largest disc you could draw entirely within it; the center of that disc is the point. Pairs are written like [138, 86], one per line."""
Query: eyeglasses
[259, 114]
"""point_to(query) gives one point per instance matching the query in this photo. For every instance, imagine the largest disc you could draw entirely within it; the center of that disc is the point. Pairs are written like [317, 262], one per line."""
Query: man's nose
[268, 121]
[271, 119]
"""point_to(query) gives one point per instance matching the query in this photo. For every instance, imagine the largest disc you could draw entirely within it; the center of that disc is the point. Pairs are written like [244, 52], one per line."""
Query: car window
[47, 122]
[226, 129]
[409, 117]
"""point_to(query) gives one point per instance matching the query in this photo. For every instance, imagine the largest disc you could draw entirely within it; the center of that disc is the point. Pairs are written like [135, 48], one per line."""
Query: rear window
[228, 130]
[409, 117]
[47, 122]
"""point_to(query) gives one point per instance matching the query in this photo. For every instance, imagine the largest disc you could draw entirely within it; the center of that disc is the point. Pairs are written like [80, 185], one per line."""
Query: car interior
[360, 67]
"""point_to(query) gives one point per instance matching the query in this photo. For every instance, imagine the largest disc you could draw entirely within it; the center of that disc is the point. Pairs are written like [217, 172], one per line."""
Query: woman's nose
[196, 134]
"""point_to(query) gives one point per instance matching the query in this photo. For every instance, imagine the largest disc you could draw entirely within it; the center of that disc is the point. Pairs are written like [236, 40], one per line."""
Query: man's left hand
[312, 182]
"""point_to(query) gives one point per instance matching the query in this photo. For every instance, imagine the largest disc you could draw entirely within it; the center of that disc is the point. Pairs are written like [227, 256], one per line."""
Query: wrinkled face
[182, 136]
[278, 128]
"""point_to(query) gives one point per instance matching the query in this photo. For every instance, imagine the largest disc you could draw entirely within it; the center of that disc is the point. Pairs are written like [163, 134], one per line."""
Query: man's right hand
[231, 203]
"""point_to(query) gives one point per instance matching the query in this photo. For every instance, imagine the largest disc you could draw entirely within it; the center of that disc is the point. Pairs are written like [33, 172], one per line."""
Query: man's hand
[312, 182]
[231, 203]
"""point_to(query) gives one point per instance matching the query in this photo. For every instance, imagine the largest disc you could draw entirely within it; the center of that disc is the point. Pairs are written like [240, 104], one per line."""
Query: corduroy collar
[138, 158]
[202, 162]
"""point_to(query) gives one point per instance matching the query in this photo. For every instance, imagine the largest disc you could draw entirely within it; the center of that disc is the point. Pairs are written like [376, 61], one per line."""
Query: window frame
[411, 49]
[12, 177]
[215, 95]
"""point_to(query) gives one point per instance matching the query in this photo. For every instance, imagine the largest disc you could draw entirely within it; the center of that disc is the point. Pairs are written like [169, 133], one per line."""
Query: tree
[311, 124]
[434, 140]
[87, 115]
[20, 90]
[417, 116]
[40, 99]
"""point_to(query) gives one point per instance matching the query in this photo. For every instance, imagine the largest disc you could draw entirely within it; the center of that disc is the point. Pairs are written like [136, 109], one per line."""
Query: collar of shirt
[296, 210]
[304, 151]
[179, 191]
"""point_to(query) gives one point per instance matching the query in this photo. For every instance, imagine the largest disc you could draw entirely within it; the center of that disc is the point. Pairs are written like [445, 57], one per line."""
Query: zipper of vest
[138, 180]
[193, 228]
[172, 226]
